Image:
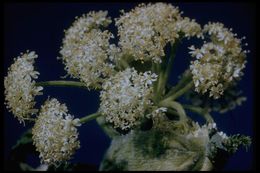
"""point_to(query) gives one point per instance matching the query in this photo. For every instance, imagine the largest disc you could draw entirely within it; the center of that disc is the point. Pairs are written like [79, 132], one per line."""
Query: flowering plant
[141, 113]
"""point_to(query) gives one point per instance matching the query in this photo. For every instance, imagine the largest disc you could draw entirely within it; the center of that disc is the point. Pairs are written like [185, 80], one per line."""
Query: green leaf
[26, 167]
[235, 141]
[26, 138]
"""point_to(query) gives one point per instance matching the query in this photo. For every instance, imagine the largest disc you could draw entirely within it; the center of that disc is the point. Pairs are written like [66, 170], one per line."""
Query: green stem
[124, 63]
[172, 112]
[175, 105]
[170, 62]
[164, 74]
[180, 92]
[90, 117]
[159, 91]
[200, 111]
[180, 84]
[156, 69]
[62, 83]
[155, 83]
[29, 119]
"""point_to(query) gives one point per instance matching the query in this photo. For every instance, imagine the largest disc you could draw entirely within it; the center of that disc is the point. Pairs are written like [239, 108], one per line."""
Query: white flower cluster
[204, 131]
[54, 133]
[201, 133]
[126, 96]
[219, 62]
[146, 30]
[20, 89]
[86, 51]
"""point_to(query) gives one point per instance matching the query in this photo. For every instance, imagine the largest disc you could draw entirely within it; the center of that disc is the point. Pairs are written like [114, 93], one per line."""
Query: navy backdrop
[39, 27]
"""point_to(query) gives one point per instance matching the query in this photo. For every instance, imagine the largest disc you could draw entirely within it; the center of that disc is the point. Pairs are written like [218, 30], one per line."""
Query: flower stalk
[184, 80]
[62, 83]
[177, 106]
[180, 92]
[90, 117]
[165, 72]
[203, 112]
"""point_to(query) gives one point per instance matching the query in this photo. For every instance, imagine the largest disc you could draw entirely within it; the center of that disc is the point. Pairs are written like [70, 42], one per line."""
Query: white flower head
[86, 51]
[20, 89]
[145, 30]
[218, 63]
[223, 135]
[204, 131]
[201, 132]
[55, 134]
[125, 96]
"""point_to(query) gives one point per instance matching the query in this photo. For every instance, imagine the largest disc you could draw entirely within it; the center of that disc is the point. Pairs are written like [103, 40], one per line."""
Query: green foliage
[235, 141]
[24, 147]
[219, 150]
[25, 138]
[19, 153]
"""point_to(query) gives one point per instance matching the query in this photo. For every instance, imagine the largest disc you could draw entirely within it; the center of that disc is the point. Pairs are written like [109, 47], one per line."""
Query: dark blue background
[39, 27]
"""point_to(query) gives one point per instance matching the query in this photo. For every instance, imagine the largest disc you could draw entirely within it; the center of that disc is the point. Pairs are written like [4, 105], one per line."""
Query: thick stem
[62, 83]
[90, 117]
[177, 106]
[203, 112]
[173, 112]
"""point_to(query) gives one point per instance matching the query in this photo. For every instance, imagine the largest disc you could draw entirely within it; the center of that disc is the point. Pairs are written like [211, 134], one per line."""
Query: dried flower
[86, 51]
[145, 30]
[125, 96]
[218, 63]
[54, 133]
[20, 89]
